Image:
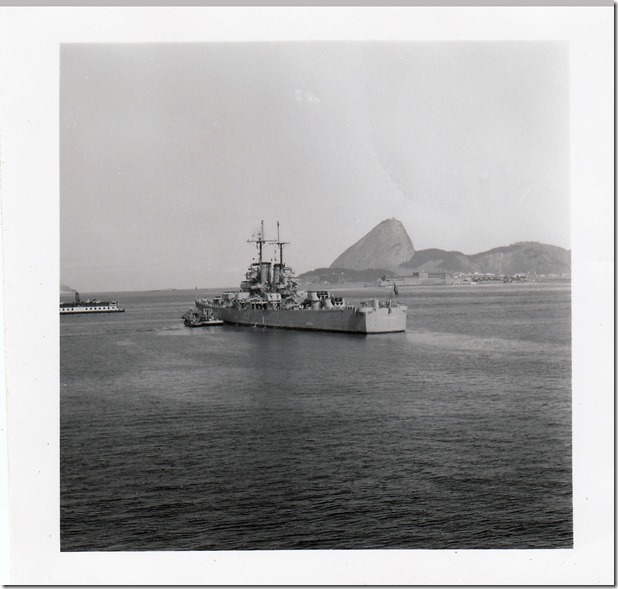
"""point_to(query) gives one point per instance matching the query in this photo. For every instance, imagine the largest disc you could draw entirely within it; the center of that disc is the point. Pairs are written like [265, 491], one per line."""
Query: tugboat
[89, 306]
[269, 297]
[200, 318]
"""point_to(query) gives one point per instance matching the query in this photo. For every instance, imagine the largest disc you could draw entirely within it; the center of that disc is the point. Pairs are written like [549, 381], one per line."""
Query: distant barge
[90, 306]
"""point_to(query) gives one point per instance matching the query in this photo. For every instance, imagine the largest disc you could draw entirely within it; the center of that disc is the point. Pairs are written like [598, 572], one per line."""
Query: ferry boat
[269, 297]
[90, 306]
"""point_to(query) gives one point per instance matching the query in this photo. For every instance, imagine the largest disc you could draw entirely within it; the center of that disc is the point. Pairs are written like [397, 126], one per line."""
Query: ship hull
[382, 320]
[204, 323]
[82, 311]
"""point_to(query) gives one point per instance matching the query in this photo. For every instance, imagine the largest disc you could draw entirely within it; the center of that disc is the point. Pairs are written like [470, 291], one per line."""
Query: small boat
[198, 318]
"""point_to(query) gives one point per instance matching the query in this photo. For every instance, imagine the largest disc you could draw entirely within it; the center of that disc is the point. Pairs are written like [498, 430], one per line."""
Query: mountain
[528, 257]
[386, 247]
[387, 250]
[436, 260]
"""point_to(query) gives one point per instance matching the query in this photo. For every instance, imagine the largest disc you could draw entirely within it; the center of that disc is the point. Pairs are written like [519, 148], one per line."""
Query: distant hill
[436, 260]
[342, 275]
[387, 250]
[528, 257]
[386, 246]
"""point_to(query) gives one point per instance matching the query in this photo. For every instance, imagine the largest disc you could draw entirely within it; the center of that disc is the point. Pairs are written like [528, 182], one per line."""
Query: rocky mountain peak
[386, 246]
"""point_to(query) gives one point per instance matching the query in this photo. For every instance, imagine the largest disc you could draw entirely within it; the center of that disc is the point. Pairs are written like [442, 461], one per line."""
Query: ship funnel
[265, 277]
[276, 274]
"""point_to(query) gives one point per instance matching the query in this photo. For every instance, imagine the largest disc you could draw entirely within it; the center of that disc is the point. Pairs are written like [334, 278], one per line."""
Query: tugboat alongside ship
[200, 318]
[270, 297]
[89, 306]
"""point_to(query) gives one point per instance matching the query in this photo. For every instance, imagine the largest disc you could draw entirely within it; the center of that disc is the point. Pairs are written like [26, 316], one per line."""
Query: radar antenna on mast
[259, 240]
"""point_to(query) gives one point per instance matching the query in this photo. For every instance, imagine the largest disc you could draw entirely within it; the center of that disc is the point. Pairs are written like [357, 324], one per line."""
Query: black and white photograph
[318, 295]
[447, 426]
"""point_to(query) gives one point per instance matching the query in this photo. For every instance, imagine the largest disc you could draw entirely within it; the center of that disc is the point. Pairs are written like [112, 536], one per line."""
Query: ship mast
[280, 244]
[260, 241]
[263, 266]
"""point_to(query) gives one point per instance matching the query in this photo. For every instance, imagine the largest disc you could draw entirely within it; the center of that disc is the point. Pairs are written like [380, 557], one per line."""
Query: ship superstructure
[269, 297]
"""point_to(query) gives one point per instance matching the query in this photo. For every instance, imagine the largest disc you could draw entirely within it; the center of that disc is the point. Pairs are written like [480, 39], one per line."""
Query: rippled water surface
[456, 434]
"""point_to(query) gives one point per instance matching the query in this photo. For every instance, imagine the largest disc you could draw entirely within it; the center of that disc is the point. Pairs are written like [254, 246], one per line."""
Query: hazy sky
[172, 154]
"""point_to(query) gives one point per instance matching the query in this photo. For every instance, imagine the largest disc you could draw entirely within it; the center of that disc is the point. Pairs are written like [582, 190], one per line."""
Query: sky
[172, 154]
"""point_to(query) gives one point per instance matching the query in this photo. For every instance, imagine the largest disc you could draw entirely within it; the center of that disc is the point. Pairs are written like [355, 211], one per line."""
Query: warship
[270, 297]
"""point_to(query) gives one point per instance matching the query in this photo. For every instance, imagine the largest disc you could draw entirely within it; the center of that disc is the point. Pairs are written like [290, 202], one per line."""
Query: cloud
[306, 97]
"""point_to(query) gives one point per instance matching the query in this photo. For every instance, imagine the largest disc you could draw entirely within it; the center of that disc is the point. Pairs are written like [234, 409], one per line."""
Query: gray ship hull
[363, 321]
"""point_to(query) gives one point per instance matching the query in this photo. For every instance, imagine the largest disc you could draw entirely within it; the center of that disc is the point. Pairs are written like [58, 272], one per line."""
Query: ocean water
[453, 435]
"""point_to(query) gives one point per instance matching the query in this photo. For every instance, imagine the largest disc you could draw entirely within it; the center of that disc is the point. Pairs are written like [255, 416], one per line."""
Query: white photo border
[30, 40]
